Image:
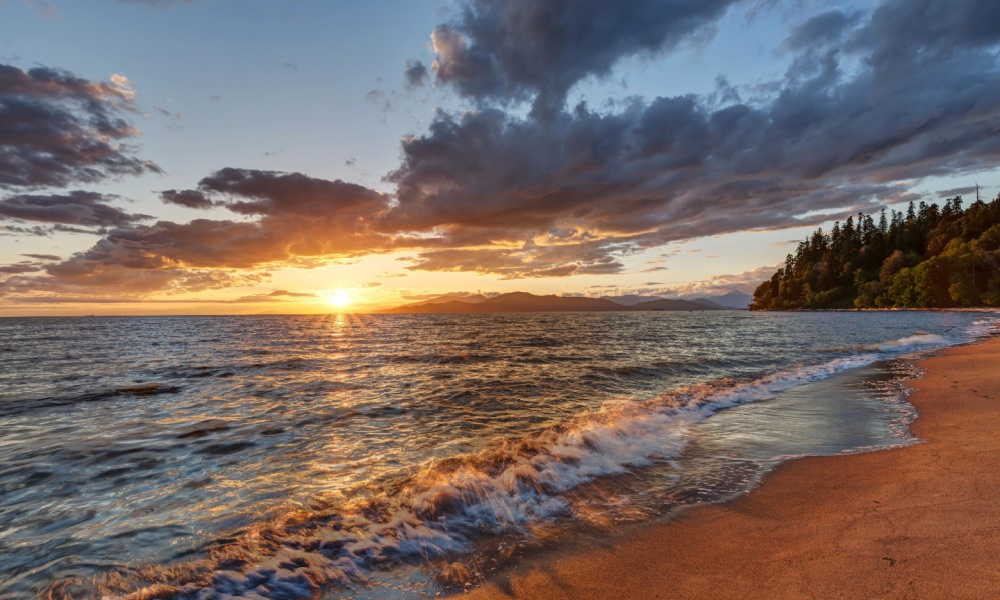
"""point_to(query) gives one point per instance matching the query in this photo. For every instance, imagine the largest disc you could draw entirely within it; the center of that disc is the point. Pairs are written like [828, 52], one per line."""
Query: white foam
[920, 340]
[984, 327]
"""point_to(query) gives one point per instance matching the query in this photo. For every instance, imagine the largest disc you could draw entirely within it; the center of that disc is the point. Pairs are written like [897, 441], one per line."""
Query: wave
[916, 341]
[439, 358]
[444, 508]
[19, 407]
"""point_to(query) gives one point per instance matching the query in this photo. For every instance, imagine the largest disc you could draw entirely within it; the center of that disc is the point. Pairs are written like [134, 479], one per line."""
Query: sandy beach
[915, 522]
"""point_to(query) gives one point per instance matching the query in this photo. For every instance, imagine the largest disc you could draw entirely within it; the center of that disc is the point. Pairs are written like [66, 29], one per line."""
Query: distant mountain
[453, 306]
[630, 299]
[525, 302]
[733, 299]
[459, 296]
[708, 303]
[663, 304]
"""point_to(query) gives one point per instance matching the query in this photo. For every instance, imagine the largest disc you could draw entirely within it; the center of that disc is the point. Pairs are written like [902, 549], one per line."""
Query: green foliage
[925, 257]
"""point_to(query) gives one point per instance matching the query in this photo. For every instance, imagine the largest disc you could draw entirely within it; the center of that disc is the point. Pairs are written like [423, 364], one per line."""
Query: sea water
[405, 455]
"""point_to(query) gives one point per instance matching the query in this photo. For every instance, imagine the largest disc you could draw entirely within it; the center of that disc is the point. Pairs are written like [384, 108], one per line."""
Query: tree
[928, 257]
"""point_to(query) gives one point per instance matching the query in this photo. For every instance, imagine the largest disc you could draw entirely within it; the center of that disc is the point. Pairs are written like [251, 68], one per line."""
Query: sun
[339, 298]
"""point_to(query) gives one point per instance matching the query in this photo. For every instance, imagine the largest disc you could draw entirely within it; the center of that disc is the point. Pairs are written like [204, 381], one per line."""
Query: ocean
[401, 456]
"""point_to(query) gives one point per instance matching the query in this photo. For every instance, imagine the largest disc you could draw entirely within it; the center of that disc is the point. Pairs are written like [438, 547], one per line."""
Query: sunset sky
[243, 156]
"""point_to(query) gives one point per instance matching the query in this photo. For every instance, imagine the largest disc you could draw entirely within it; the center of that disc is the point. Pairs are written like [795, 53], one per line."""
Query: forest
[927, 257]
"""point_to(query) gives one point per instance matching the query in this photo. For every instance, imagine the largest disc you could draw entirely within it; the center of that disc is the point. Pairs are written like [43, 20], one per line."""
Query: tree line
[927, 257]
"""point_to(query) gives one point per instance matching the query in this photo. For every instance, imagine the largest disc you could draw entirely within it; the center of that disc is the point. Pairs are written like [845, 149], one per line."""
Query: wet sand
[915, 522]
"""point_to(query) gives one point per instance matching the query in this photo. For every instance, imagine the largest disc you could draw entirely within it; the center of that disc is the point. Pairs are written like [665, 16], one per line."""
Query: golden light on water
[339, 298]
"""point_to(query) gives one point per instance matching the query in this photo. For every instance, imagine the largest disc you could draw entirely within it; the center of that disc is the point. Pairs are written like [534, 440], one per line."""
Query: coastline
[907, 522]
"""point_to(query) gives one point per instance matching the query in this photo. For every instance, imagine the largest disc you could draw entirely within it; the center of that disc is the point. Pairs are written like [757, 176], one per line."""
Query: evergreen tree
[927, 257]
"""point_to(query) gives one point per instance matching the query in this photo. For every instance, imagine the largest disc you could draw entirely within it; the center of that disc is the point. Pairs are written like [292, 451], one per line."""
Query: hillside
[928, 257]
[734, 299]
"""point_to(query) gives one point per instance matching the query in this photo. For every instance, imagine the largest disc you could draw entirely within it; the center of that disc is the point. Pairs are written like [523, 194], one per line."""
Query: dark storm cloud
[518, 49]
[827, 139]
[73, 208]
[276, 194]
[644, 174]
[57, 129]
[186, 198]
[925, 31]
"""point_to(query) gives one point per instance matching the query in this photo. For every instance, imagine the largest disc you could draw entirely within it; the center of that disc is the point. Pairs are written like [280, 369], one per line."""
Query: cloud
[88, 276]
[914, 32]
[293, 219]
[747, 282]
[961, 191]
[14, 230]
[273, 296]
[822, 29]
[385, 100]
[57, 129]
[79, 207]
[876, 102]
[187, 198]
[667, 170]
[168, 114]
[19, 268]
[43, 256]
[527, 262]
[416, 74]
[852, 125]
[514, 50]
[277, 194]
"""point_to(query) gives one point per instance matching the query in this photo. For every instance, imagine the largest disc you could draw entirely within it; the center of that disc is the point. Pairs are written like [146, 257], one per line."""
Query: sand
[915, 522]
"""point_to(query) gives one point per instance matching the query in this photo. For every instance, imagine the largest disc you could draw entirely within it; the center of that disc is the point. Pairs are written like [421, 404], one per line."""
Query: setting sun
[339, 298]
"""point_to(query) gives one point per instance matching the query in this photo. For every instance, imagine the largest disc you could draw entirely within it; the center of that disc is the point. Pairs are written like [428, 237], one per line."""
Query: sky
[256, 156]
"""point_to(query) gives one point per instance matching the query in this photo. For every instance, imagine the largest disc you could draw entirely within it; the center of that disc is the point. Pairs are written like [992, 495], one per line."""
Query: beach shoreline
[917, 521]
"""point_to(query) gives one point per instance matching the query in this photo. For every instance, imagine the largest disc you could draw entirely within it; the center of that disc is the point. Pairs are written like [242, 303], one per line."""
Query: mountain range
[525, 302]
